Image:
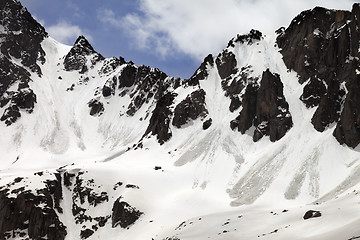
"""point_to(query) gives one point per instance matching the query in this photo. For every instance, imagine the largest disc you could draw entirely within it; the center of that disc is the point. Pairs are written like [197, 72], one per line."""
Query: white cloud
[66, 32]
[200, 27]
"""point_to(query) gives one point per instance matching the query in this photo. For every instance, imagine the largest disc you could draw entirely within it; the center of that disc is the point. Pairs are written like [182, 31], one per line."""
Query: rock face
[201, 73]
[321, 45]
[160, 119]
[124, 214]
[21, 38]
[76, 59]
[25, 214]
[272, 117]
[265, 108]
[35, 213]
[192, 107]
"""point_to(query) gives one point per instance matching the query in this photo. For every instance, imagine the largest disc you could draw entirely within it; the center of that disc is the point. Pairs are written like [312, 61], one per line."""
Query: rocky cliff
[251, 121]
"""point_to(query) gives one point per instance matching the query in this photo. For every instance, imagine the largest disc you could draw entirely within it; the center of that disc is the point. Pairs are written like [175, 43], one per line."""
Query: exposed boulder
[207, 123]
[312, 214]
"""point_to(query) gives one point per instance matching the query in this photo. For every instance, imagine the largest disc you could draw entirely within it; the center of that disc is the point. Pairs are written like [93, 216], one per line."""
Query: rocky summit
[101, 148]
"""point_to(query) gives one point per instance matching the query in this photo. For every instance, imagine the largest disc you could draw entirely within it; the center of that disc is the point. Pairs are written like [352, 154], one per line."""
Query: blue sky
[172, 35]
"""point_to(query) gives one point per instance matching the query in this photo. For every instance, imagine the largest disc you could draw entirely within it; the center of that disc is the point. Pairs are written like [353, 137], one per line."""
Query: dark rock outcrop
[123, 214]
[31, 215]
[201, 73]
[348, 128]
[265, 108]
[249, 39]
[192, 107]
[22, 35]
[272, 118]
[247, 115]
[160, 119]
[207, 123]
[321, 45]
[96, 107]
[109, 87]
[84, 234]
[226, 64]
[76, 59]
[311, 214]
[21, 39]
[233, 87]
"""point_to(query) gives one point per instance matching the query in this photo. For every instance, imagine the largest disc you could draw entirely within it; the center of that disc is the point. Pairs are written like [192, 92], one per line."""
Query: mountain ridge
[99, 147]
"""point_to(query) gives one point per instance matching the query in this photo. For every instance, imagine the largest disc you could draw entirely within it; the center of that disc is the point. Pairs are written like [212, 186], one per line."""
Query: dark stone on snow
[131, 186]
[192, 107]
[123, 214]
[312, 214]
[207, 124]
[160, 119]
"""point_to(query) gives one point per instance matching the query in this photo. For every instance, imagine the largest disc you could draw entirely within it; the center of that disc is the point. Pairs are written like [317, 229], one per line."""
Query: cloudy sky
[172, 35]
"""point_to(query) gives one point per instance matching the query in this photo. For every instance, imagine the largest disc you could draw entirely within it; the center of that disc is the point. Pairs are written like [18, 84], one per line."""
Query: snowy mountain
[100, 148]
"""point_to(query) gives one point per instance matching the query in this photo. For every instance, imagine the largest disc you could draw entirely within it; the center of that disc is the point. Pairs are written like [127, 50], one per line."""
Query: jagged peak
[82, 42]
[320, 15]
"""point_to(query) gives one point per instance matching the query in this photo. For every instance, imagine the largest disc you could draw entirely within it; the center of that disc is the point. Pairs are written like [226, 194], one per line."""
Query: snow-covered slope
[101, 148]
